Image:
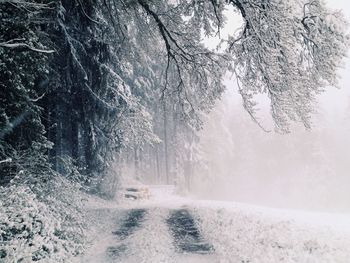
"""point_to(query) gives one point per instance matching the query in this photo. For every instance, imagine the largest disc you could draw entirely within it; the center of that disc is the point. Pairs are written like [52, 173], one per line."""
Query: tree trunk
[165, 127]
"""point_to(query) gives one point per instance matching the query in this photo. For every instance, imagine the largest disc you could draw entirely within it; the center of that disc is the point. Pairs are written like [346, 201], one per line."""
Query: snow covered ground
[210, 231]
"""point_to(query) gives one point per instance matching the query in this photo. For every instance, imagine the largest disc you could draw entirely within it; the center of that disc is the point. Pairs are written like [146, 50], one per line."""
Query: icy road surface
[169, 228]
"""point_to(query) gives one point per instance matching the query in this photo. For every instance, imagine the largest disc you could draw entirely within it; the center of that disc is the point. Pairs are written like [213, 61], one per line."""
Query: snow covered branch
[27, 4]
[289, 51]
[10, 44]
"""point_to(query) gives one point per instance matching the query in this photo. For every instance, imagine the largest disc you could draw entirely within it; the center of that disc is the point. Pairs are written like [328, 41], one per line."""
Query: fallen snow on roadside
[238, 236]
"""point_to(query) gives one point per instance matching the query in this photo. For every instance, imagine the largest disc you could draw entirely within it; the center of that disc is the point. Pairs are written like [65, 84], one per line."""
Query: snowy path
[172, 229]
[151, 235]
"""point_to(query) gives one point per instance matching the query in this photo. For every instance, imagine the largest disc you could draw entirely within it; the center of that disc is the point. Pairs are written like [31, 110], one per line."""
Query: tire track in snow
[162, 235]
[187, 237]
[147, 236]
[132, 221]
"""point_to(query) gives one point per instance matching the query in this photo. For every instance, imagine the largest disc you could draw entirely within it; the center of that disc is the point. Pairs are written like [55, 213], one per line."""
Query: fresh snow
[237, 232]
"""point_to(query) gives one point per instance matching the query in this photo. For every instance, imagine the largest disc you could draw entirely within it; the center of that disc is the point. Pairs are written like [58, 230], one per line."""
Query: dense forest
[89, 87]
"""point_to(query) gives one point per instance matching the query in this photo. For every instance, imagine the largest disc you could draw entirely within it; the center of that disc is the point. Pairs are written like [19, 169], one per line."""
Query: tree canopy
[99, 70]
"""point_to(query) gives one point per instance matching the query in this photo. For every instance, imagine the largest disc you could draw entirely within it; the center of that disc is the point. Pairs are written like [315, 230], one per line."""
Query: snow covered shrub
[41, 223]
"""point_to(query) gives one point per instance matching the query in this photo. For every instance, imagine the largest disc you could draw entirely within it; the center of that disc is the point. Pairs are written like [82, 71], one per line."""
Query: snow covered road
[168, 228]
[151, 235]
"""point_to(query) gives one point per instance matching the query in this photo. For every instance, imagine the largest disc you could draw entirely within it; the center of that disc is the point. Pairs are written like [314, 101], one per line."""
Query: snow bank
[42, 226]
[240, 236]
